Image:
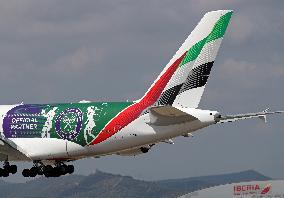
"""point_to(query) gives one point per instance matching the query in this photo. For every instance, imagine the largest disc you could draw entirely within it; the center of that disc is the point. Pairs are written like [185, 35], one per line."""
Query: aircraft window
[117, 127]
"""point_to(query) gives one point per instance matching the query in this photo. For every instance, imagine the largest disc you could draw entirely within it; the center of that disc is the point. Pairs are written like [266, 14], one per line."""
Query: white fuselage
[137, 134]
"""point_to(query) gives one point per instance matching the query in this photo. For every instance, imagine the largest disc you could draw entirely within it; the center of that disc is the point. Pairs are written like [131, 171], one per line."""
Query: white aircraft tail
[183, 80]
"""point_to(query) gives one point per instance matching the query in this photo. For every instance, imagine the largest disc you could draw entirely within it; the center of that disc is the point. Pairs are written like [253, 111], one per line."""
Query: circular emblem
[69, 123]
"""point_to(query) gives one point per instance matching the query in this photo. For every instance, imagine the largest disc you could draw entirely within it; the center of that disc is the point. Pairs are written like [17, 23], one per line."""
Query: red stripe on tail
[132, 112]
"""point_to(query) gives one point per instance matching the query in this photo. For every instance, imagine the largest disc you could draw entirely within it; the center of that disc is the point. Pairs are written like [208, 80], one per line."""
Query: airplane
[53, 135]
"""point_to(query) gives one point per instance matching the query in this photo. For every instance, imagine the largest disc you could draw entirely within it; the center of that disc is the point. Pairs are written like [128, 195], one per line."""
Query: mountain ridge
[101, 184]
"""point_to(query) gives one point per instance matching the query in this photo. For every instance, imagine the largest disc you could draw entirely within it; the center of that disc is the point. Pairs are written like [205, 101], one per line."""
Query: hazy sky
[68, 50]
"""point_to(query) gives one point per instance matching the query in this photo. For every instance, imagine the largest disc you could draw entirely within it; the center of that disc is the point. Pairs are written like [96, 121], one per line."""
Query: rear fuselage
[67, 131]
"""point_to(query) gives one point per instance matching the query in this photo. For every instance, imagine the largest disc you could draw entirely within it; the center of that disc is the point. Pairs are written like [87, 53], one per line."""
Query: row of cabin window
[28, 133]
[24, 115]
[117, 127]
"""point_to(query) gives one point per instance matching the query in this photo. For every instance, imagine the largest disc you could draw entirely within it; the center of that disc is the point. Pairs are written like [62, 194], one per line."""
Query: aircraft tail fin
[183, 80]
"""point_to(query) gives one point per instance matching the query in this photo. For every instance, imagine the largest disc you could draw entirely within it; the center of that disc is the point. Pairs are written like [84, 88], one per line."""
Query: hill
[104, 185]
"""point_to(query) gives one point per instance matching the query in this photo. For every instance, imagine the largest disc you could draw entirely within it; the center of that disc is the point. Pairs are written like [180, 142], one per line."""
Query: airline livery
[53, 135]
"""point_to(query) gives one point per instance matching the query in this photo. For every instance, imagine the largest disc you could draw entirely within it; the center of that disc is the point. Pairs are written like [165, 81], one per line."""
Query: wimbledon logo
[69, 123]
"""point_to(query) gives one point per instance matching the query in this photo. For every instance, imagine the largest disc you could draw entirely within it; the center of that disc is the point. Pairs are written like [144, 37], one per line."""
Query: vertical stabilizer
[195, 59]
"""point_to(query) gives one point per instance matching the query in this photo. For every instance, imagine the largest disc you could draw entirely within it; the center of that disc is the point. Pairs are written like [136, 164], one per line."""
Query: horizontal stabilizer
[232, 118]
[168, 115]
